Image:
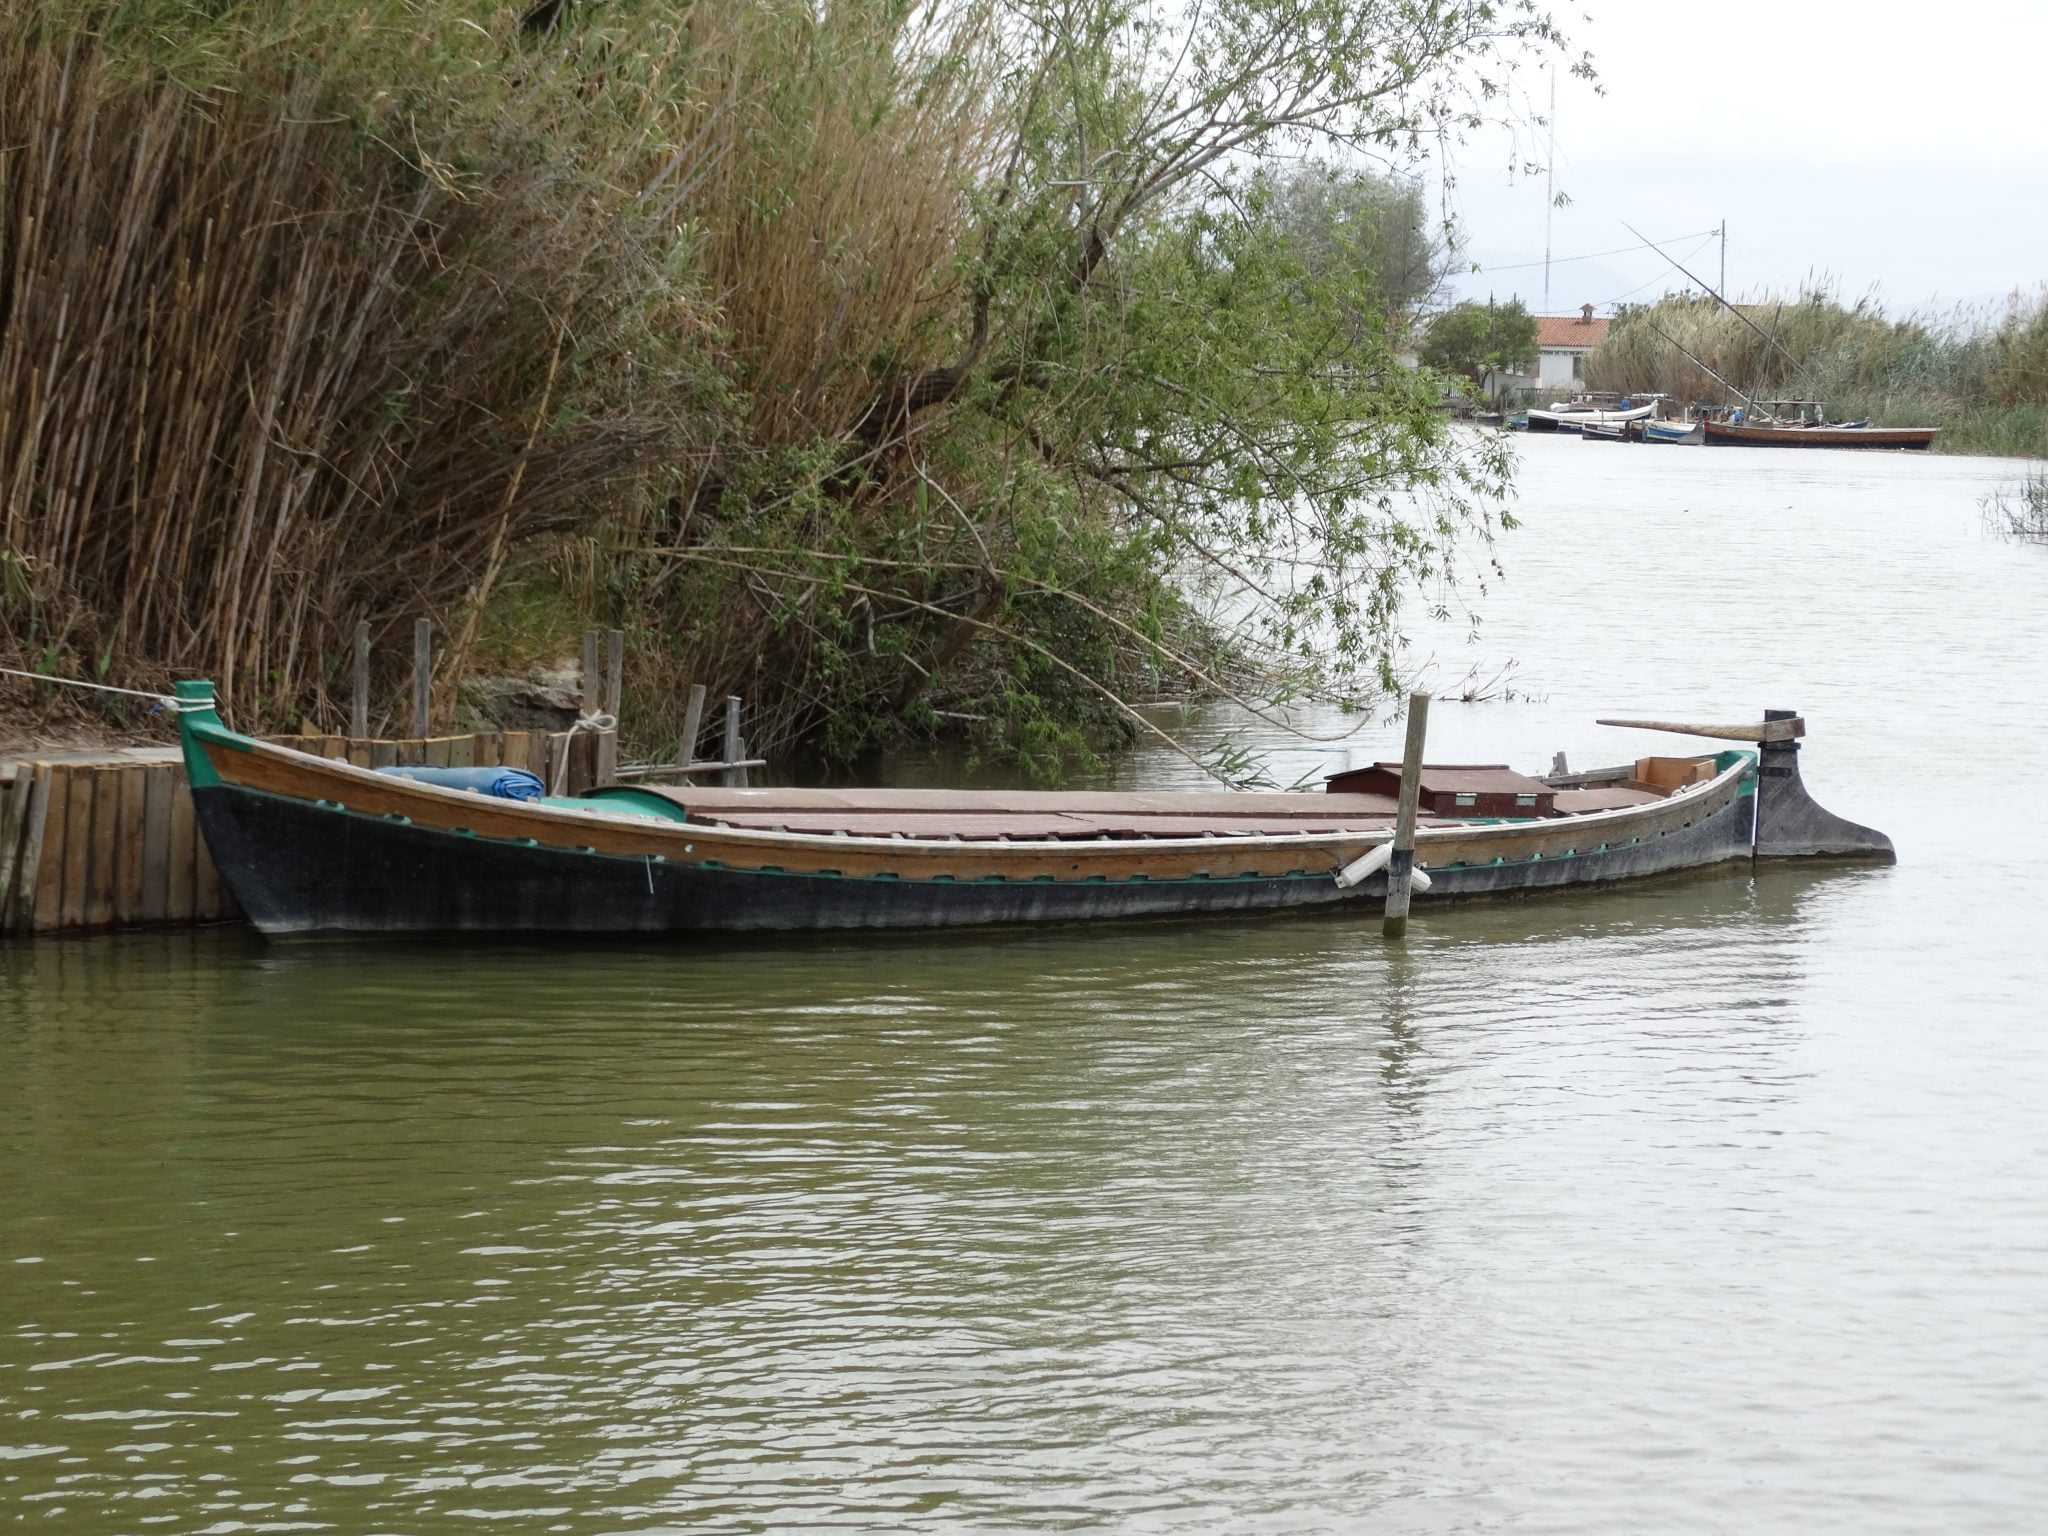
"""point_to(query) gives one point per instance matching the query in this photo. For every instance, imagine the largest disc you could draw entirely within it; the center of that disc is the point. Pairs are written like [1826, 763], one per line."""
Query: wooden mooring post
[359, 683]
[735, 776]
[422, 674]
[1401, 865]
[693, 727]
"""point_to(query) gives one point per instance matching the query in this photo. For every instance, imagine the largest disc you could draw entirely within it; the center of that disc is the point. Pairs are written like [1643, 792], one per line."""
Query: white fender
[1371, 862]
[1365, 866]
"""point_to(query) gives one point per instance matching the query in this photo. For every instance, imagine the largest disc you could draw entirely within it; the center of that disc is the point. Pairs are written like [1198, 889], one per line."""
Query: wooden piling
[607, 761]
[693, 727]
[1401, 866]
[359, 691]
[590, 678]
[181, 858]
[40, 862]
[160, 783]
[614, 671]
[422, 674]
[18, 872]
[77, 850]
[128, 845]
[733, 778]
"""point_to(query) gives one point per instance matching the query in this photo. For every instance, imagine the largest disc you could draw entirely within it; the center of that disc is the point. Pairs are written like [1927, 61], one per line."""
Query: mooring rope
[592, 722]
[161, 700]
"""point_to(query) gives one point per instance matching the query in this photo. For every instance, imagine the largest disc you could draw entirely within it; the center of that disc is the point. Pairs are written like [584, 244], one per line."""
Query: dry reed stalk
[260, 370]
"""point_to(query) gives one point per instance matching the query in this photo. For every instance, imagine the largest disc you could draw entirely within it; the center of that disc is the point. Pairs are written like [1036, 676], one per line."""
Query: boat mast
[1770, 342]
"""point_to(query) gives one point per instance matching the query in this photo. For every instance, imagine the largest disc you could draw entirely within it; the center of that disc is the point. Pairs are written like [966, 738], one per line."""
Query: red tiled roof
[1569, 331]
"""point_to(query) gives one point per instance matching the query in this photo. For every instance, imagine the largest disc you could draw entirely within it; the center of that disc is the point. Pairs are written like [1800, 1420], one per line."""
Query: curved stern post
[1790, 824]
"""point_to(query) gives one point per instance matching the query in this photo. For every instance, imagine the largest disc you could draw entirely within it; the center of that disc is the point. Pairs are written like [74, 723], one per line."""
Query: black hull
[303, 869]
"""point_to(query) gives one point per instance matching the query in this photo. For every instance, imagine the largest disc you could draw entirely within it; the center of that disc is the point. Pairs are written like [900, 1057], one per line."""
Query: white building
[1562, 342]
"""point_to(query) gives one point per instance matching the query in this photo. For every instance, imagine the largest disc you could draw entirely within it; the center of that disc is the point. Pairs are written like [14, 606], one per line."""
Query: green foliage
[1471, 339]
[1373, 225]
[911, 364]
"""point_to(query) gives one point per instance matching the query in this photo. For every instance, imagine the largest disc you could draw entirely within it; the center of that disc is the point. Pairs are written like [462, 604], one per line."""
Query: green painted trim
[629, 797]
[202, 724]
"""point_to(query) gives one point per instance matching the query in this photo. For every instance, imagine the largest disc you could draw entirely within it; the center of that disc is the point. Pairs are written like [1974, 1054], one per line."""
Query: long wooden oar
[1769, 730]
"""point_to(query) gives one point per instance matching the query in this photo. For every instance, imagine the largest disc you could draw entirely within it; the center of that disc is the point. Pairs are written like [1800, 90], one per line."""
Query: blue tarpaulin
[505, 783]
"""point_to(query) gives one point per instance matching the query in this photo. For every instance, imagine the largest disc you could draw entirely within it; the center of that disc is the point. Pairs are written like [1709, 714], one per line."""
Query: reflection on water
[1710, 1205]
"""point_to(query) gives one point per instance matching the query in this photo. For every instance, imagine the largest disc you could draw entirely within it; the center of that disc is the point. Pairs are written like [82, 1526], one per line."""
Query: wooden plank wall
[91, 847]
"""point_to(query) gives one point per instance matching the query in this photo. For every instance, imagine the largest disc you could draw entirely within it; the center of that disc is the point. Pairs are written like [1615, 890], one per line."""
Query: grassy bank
[1982, 380]
[886, 364]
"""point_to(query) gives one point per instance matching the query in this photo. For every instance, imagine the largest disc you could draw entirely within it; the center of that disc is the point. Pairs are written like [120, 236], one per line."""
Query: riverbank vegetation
[1982, 379]
[2019, 511]
[885, 363]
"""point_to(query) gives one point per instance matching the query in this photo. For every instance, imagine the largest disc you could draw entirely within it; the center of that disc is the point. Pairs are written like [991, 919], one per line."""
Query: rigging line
[1516, 266]
[1670, 267]
[161, 700]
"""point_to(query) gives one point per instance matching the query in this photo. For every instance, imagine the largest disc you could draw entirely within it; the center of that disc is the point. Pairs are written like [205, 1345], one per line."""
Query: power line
[1517, 266]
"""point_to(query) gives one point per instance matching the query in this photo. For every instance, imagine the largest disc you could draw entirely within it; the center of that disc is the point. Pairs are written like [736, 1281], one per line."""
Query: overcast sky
[1895, 147]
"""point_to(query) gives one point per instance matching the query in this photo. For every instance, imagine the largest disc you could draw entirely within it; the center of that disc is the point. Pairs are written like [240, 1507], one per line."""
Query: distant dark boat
[311, 845]
[1794, 435]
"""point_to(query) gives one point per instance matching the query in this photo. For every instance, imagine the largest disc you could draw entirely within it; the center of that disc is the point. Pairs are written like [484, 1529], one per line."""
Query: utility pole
[1549, 187]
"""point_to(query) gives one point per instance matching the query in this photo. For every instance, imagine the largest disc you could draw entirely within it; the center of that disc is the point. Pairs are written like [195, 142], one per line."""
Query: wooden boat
[1796, 435]
[1691, 432]
[1615, 431]
[310, 845]
[1563, 417]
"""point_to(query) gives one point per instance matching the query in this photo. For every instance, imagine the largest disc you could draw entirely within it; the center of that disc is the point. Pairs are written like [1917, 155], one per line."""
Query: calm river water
[1718, 1205]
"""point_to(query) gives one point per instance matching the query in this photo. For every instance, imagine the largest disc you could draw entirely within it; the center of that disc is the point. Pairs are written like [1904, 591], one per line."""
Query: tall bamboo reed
[264, 371]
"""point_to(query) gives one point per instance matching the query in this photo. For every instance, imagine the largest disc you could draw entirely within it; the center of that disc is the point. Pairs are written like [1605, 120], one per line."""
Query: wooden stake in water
[614, 671]
[422, 674]
[1401, 867]
[735, 778]
[693, 727]
[359, 697]
[591, 684]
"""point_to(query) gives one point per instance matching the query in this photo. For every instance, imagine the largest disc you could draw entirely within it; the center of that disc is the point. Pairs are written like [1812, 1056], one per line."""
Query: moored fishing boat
[311, 845]
[1804, 424]
[1793, 435]
[1691, 432]
[1565, 417]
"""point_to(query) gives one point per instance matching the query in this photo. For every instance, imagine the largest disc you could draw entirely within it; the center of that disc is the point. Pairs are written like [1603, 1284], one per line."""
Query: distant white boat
[1562, 418]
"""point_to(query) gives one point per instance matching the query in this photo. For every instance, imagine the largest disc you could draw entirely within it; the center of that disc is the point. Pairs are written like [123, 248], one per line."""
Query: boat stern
[1791, 824]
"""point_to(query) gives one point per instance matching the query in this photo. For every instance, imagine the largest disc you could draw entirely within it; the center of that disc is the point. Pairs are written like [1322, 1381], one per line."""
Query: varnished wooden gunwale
[258, 766]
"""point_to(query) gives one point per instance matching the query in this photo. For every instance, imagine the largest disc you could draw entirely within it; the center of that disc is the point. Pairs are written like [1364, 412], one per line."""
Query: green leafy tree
[1470, 339]
[1157, 367]
[1376, 225]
